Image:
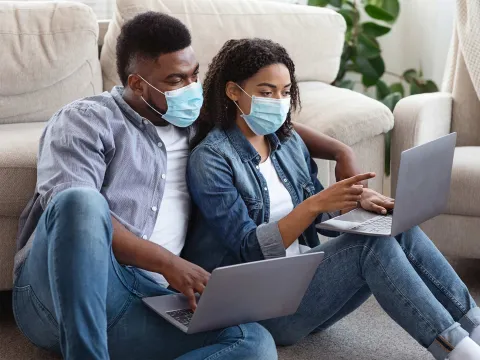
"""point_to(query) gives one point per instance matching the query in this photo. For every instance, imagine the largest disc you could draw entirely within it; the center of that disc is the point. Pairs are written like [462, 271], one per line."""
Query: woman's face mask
[183, 105]
[267, 115]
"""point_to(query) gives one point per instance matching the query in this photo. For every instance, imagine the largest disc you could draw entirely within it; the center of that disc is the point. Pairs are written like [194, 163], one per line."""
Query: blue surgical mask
[183, 105]
[267, 115]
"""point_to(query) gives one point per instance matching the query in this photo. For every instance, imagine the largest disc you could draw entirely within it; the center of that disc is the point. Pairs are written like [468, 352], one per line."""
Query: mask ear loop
[236, 102]
[145, 101]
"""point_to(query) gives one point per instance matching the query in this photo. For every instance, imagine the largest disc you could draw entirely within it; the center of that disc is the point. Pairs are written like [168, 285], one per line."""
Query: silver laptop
[243, 293]
[422, 192]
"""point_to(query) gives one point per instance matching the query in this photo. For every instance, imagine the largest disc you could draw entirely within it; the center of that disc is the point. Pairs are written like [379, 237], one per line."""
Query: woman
[257, 196]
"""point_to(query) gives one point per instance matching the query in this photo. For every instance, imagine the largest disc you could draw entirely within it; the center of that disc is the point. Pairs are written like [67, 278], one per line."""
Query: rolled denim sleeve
[74, 150]
[211, 183]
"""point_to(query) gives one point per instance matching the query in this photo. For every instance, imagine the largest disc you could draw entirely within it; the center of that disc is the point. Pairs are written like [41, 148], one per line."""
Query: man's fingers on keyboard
[378, 209]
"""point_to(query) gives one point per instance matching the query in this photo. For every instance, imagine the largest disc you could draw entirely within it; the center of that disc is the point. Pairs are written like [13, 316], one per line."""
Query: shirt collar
[132, 115]
[243, 147]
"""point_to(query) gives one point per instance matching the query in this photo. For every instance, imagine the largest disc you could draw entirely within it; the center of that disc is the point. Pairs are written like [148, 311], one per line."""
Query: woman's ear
[232, 91]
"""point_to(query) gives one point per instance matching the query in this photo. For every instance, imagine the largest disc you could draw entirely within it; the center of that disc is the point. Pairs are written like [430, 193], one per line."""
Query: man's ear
[136, 84]
[232, 91]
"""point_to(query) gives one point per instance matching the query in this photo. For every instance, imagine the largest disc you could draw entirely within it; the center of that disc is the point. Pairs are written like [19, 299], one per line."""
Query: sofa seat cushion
[18, 165]
[346, 115]
[313, 36]
[464, 190]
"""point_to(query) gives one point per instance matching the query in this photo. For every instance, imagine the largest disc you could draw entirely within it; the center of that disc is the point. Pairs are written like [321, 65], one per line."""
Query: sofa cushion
[346, 115]
[464, 189]
[18, 165]
[49, 57]
[313, 36]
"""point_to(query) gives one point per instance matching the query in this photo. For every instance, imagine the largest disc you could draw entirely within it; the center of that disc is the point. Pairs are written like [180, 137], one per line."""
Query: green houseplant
[362, 53]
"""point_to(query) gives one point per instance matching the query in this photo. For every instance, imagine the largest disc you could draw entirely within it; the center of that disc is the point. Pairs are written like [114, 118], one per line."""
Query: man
[104, 187]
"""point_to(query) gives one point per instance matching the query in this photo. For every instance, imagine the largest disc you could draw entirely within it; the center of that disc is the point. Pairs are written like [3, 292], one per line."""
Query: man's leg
[353, 261]
[440, 277]
[73, 296]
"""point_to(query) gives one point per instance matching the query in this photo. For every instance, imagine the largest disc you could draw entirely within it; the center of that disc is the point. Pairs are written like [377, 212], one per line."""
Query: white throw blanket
[465, 47]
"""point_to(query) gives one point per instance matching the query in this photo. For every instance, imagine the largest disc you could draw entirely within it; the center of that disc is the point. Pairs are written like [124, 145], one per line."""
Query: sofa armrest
[343, 114]
[419, 119]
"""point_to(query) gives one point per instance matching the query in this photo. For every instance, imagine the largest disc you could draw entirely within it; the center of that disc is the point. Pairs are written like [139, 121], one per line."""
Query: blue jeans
[74, 298]
[408, 276]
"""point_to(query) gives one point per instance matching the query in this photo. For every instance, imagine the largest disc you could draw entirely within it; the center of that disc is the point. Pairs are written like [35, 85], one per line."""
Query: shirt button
[284, 180]
[163, 176]
[154, 208]
[257, 167]
[159, 144]
[145, 122]
[265, 188]
[144, 237]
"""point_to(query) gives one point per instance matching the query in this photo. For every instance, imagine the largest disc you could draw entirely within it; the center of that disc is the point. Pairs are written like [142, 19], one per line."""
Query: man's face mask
[267, 115]
[183, 105]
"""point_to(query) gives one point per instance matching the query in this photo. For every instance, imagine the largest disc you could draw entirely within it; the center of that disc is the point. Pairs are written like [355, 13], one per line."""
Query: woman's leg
[440, 278]
[353, 262]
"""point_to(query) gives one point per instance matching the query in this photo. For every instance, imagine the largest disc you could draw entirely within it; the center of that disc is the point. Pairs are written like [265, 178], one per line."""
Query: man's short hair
[147, 36]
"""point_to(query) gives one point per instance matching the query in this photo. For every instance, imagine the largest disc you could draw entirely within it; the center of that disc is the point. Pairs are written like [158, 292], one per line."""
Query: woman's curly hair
[237, 61]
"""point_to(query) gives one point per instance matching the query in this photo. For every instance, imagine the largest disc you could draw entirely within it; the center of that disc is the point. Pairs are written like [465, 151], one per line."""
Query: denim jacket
[230, 220]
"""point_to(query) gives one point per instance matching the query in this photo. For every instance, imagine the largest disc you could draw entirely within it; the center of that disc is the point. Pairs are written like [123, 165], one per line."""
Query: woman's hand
[375, 202]
[341, 195]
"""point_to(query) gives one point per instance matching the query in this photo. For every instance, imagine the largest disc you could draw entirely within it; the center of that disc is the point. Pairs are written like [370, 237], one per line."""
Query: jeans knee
[257, 342]
[79, 213]
[76, 200]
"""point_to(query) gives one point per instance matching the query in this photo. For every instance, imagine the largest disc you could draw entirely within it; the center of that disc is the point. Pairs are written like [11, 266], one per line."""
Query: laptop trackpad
[350, 219]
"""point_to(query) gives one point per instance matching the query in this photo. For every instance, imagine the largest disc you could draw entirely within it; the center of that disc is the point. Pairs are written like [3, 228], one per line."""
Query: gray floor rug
[367, 334]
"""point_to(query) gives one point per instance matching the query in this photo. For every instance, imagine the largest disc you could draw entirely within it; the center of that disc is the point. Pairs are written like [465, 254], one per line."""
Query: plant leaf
[386, 10]
[391, 100]
[397, 87]
[336, 3]
[415, 89]
[388, 145]
[382, 90]
[367, 47]
[371, 69]
[321, 3]
[430, 87]
[346, 84]
[374, 30]
[348, 15]
[410, 75]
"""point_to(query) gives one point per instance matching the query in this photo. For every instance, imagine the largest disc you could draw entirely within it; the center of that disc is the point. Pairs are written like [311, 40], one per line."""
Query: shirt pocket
[254, 207]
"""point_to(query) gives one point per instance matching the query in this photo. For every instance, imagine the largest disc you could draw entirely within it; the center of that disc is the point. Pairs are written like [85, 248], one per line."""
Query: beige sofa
[49, 57]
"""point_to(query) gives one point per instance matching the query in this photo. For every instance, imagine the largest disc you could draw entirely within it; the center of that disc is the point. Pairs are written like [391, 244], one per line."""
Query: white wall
[420, 38]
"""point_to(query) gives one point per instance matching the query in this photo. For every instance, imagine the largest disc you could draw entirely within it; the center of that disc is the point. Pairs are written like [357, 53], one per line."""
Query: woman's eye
[286, 93]
[266, 93]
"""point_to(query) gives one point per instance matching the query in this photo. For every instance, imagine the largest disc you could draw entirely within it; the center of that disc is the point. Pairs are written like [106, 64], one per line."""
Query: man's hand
[375, 202]
[347, 167]
[186, 277]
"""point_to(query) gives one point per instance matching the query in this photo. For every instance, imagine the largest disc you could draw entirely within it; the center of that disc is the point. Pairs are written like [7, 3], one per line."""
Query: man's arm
[322, 146]
[180, 274]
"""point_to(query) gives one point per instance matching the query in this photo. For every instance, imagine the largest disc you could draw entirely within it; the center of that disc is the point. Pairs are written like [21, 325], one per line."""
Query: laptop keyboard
[183, 316]
[378, 224]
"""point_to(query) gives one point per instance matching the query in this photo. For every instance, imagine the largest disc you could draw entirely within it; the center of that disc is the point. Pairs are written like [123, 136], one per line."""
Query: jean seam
[371, 251]
[435, 282]
[231, 347]
[122, 312]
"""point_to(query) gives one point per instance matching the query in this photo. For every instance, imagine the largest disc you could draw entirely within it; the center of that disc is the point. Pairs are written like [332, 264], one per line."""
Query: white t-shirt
[174, 213]
[280, 201]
